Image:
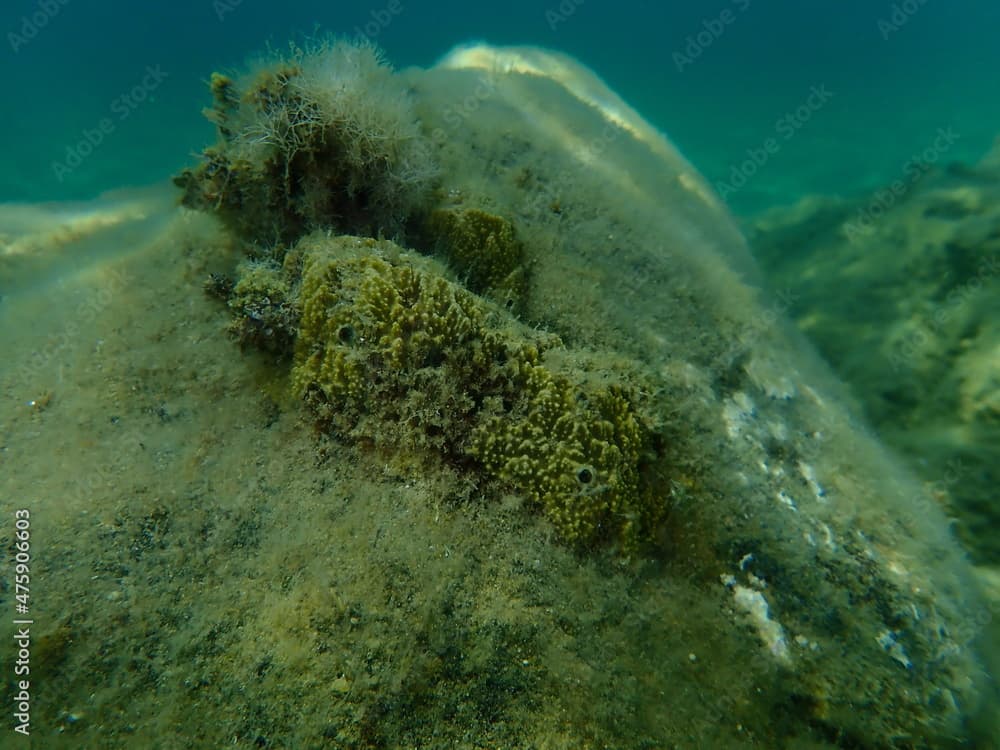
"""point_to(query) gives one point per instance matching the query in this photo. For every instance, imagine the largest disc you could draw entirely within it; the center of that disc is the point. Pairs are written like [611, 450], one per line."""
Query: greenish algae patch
[262, 302]
[484, 250]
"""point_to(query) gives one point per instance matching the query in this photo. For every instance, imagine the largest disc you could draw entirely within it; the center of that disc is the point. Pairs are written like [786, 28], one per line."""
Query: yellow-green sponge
[394, 353]
[577, 452]
[483, 249]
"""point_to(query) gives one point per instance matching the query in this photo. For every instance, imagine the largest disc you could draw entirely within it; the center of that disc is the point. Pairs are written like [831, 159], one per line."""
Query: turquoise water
[104, 94]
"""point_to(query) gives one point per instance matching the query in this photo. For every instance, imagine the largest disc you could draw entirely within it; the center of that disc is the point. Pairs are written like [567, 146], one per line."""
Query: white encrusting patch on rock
[752, 603]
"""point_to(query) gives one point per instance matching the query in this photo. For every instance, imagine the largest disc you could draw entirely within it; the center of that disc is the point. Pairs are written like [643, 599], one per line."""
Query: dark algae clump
[323, 138]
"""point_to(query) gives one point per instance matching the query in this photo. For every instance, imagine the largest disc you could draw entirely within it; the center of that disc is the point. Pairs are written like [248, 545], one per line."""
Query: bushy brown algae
[322, 138]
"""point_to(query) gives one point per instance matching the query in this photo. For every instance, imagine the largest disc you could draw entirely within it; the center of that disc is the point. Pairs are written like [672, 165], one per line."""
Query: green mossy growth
[484, 250]
[393, 353]
[578, 453]
[325, 138]
[266, 312]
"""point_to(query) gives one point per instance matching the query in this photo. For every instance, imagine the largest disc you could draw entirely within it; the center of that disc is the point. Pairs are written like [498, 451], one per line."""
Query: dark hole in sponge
[585, 475]
[345, 334]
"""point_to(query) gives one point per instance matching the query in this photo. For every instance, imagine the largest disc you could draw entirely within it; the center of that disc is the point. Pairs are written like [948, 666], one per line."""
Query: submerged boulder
[667, 408]
[632, 510]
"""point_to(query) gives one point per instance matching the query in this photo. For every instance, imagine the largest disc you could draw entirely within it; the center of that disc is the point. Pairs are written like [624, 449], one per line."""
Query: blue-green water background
[66, 64]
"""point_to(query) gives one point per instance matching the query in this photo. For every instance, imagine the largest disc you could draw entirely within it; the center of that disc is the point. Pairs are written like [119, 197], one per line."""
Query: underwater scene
[557, 375]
